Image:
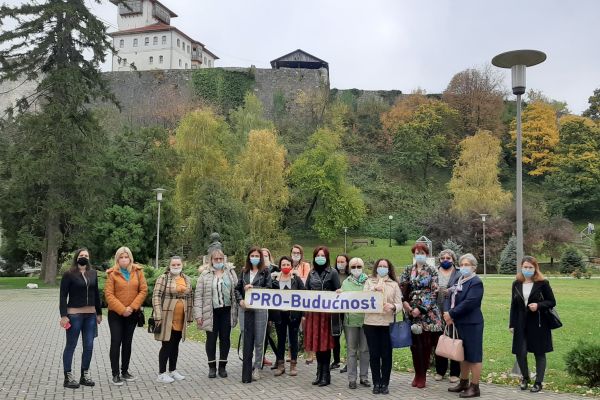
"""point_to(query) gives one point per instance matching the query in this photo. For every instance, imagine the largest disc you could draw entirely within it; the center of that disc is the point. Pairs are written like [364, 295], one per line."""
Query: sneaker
[177, 376]
[164, 378]
[117, 380]
[365, 383]
[86, 379]
[344, 370]
[255, 374]
[438, 377]
[453, 379]
[128, 377]
[352, 385]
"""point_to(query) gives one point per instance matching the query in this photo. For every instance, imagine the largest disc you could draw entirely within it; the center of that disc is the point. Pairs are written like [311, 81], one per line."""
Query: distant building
[147, 39]
[299, 59]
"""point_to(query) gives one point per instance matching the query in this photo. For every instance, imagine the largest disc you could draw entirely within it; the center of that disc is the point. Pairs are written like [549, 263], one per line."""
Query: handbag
[152, 327]
[450, 347]
[141, 318]
[552, 317]
[400, 334]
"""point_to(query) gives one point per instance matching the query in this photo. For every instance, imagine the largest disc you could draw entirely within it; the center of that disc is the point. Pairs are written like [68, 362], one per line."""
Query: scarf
[457, 287]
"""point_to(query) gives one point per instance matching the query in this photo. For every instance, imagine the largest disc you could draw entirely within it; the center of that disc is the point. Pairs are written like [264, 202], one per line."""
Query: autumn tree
[474, 185]
[478, 95]
[401, 113]
[593, 111]
[540, 137]
[249, 116]
[259, 182]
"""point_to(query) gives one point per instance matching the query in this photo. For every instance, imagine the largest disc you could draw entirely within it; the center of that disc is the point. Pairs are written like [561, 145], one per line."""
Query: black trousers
[380, 353]
[540, 363]
[169, 352]
[441, 363]
[248, 348]
[121, 336]
[287, 328]
[222, 331]
[336, 349]
[269, 340]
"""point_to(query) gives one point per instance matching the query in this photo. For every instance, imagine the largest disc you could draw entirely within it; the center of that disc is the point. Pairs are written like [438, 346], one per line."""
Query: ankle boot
[319, 374]
[280, 368]
[70, 381]
[325, 376]
[472, 391]
[222, 370]
[463, 384]
[212, 369]
[86, 378]
[293, 370]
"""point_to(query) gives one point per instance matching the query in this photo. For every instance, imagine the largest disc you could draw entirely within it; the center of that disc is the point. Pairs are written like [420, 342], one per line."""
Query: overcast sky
[401, 44]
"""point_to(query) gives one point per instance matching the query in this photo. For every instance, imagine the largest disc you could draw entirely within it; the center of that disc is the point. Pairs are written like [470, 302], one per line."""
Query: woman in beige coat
[377, 326]
[172, 302]
[216, 310]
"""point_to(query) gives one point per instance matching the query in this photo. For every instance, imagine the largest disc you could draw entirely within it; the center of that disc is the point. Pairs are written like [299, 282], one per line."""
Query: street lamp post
[391, 217]
[159, 197]
[183, 227]
[345, 239]
[517, 61]
[484, 260]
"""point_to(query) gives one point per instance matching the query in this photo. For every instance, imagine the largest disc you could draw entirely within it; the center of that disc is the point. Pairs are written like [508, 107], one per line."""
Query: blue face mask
[527, 273]
[446, 264]
[466, 271]
[420, 258]
[255, 261]
[382, 271]
[218, 265]
[340, 267]
[320, 260]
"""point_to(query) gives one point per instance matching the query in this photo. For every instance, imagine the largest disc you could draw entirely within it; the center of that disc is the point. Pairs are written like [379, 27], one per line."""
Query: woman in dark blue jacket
[464, 311]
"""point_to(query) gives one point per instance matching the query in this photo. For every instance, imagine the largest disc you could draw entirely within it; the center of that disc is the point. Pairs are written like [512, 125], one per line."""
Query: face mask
[320, 260]
[382, 271]
[82, 261]
[356, 272]
[466, 271]
[175, 271]
[446, 264]
[218, 265]
[420, 258]
[340, 267]
[527, 273]
[255, 261]
[286, 270]
[296, 258]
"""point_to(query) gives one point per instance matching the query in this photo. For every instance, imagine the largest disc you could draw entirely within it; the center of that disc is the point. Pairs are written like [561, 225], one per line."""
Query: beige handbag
[450, 347]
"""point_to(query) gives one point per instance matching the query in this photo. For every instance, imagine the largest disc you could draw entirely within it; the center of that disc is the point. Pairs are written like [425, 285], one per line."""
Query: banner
[314, 300]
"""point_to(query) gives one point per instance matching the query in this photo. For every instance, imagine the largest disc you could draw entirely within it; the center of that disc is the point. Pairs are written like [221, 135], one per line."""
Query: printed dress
[420, 291]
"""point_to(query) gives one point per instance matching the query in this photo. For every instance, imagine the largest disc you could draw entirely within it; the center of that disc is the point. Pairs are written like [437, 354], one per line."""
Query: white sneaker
[453, 379]
[438, 377]
[165, 378]
[255, 374]
[177, 376]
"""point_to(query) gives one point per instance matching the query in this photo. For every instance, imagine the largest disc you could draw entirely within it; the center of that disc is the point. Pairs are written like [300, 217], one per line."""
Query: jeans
[287, 327]
[380, 353]
[255, 327]
[169, 351]
[540, 363]
[221, 330]
[86, 325]
[121, 336]
[356, 348]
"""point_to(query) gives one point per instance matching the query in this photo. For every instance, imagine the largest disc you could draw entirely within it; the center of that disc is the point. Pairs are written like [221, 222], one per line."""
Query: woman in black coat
[532, 298]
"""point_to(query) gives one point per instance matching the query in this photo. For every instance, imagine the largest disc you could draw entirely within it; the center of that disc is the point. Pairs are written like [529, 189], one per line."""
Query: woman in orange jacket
[125, 292]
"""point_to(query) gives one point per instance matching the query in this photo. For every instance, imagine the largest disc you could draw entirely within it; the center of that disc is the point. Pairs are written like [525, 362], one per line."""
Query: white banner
[315, 300]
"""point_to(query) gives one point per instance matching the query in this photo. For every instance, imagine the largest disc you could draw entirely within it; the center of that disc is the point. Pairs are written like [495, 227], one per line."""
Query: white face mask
[175, 271]
[356, 272]
[296, 258]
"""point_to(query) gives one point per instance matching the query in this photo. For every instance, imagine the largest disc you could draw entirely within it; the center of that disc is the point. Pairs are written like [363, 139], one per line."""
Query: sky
[400, 44]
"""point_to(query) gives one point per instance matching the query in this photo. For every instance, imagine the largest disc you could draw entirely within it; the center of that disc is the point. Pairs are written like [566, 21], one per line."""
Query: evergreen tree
[455, 247]
[571, 260]
[508, 257]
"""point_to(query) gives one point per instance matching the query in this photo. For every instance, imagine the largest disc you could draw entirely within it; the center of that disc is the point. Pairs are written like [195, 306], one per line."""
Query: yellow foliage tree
[540, 137]
[401, 113]
[259, 181]
[474, 185]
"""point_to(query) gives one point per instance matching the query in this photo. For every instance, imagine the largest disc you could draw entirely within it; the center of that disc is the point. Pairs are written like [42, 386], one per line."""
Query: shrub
[508, 257]
[400, 235]
[583, 361]
[571, 260]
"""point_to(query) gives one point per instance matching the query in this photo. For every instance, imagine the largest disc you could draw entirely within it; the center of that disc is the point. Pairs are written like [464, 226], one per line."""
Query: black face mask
[82, 261]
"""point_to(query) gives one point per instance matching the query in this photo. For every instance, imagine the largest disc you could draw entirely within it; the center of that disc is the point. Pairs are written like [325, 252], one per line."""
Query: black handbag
[141, 318]
[552, 317]
[152, 327]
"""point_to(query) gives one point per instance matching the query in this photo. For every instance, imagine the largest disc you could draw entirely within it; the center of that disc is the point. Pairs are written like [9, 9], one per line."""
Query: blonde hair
[356, 261]
[119, 252]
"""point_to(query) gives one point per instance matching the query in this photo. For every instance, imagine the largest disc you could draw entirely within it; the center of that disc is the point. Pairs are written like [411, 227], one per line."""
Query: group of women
[434, 300]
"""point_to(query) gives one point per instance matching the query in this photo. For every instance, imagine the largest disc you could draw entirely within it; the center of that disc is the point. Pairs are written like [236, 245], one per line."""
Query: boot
[463, 384]
[472, 391]
[70, 381]
[325, 376]
[319, 374]
[280, 368]
[293, 370]
[86, 378]
[212, 369]
[222, 370]
[421, 378]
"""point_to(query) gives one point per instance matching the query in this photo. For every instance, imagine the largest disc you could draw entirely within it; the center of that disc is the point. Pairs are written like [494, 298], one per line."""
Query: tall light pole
[484, 260]
[159, 197]
[183, 228]
[391, 217]
[517, 61]
[345, 240]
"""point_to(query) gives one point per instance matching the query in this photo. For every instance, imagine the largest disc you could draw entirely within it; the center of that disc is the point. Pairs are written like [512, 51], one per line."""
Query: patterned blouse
[420, 291]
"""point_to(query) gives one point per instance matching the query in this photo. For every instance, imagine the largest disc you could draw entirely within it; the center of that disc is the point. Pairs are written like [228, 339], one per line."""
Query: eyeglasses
[355, 266]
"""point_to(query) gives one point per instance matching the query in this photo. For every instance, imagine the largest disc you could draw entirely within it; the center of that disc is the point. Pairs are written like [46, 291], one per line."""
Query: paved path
[31, 344]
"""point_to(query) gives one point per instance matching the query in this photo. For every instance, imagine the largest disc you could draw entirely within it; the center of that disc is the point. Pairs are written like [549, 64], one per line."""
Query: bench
[360, 241]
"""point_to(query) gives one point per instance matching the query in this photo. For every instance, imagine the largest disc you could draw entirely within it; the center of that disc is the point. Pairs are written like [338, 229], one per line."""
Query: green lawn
[21, 282]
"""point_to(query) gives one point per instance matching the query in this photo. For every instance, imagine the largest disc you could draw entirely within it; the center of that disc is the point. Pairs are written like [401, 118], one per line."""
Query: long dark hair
[248, 265]
[74, 266]
[326, 251]
[347, 269]
[391, 269]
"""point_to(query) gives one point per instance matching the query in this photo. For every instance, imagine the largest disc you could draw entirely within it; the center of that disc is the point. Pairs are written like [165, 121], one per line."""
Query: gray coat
[203, 300]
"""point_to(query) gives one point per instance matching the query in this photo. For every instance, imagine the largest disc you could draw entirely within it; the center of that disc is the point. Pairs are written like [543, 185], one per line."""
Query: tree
[593, 111]
[508, 257]
[248, 117]
[61, 43]
[478, 95]
[540, 137]
[455, 247]
[474, 185]
[401, 113]
[555, 234]
[571, 261]
[560, 107]
[259, 181]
